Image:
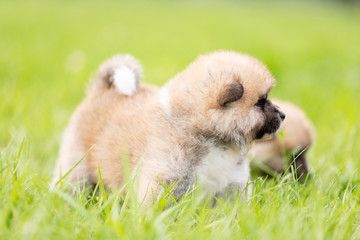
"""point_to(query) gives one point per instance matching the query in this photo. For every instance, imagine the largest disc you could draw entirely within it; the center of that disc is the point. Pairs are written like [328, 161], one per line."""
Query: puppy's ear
[231, 93]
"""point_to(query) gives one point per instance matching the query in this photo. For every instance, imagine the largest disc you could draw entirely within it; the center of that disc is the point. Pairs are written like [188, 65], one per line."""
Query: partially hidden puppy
[280, 153]
[198, 127]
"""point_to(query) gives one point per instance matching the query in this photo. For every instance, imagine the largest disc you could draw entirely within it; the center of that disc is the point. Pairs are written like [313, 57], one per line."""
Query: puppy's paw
[121, 72]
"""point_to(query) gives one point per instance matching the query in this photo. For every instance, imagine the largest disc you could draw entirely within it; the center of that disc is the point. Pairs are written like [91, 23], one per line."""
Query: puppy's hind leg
[301, 165]
[120, 72]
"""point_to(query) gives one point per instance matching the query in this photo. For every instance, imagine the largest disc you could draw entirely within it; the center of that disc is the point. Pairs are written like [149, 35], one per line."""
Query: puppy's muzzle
[273, 120]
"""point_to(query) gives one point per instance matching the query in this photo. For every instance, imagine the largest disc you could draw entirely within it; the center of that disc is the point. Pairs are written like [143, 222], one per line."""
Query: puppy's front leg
[235, 190]
[151, 187]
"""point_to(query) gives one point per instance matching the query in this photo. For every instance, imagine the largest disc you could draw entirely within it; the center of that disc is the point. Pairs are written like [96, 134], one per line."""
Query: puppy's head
[225, 96]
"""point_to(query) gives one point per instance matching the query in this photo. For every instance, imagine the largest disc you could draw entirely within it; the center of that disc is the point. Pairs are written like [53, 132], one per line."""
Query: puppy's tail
[121, 72]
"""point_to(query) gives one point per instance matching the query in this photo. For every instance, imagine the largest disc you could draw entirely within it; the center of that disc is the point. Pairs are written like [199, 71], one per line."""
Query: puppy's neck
[241, 147]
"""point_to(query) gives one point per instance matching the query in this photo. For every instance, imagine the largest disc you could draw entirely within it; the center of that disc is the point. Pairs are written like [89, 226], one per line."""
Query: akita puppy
[198, 127]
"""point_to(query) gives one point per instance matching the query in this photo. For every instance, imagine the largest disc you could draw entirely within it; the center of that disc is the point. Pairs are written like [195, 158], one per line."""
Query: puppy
[198, 127]
[289, 149]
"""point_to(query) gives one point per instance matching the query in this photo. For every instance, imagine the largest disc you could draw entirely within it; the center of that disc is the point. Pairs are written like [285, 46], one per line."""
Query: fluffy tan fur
[201, 122]
[298, 135]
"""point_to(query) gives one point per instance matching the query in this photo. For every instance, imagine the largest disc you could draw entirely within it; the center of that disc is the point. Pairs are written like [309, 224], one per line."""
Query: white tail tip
[124, 80]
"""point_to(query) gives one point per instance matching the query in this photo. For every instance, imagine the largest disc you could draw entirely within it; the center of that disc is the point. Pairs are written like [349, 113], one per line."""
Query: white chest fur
[222, 167]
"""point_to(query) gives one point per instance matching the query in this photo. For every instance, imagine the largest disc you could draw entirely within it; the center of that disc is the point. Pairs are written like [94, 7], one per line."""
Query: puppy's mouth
[268, 130]
[261, 136]
[273, 119]
[266, 137]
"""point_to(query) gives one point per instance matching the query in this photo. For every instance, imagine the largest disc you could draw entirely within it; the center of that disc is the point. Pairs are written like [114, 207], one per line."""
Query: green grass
[49, 51]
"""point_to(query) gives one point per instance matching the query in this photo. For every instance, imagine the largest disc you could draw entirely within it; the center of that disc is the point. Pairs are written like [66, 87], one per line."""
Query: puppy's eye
[261, 102]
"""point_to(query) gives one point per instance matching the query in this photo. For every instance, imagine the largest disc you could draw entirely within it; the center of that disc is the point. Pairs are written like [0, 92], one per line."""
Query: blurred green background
[49, 50]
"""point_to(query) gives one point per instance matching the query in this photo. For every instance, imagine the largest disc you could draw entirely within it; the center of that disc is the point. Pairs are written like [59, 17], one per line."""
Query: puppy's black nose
[282, 115]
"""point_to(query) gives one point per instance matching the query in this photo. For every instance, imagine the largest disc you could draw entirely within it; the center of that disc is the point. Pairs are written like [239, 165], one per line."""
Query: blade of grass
[68, 172]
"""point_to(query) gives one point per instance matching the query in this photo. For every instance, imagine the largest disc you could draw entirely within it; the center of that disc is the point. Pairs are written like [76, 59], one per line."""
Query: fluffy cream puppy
[198, 127]
[289, 149]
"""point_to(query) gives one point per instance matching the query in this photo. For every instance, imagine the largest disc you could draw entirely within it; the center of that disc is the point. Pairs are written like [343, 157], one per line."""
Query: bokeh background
[50, 49]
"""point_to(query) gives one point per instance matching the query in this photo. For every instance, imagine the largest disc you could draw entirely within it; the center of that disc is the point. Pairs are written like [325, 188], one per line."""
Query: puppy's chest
[222, 167]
